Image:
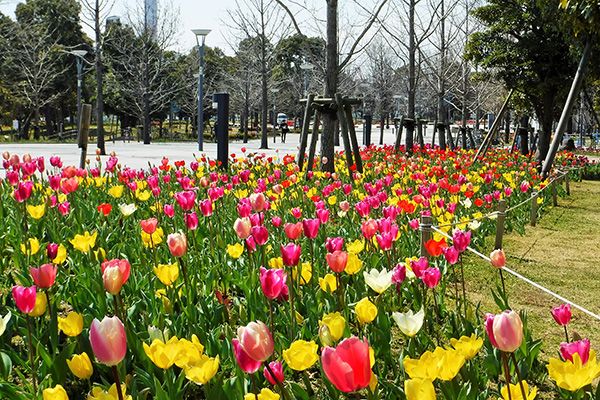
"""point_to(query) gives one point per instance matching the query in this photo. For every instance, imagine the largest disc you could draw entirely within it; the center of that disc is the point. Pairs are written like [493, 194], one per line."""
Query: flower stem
[117, 381]
[31, 355]
[284, 392]
[507, 374]
[566, 333]
[514, 358]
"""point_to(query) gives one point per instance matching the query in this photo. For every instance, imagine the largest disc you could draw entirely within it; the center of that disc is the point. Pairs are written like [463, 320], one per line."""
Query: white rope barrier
[527, 280]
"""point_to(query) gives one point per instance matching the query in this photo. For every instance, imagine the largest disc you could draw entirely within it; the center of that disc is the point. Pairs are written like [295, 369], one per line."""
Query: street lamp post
[200, 38]
[79, 54]
[306, 67]
[274, 91]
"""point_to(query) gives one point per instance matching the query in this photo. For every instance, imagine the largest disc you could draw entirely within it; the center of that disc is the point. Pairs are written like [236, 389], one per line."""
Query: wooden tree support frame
[342, 107]
[420, 125]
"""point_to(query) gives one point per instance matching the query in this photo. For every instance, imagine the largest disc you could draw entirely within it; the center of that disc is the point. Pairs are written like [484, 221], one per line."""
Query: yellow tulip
[301, 355]
[335, 324]
[153, 240]
[72, 324]
[31, 247]
[355, 247]
[100, 254]
[425, 367]
[61, 255]
[81, 366]
[328, 283]
[573, 375]
[116, 191]
[305, 272]
[235, 251]
[36, 212]
[365, 311]
[419, 389]
[142, 195]
[41, 302]
[468, 346]
[167, 273]
[55, 393]
[190, 352]
[85, 242]
[354, 264]
[163, 355]
[203, 370]
[99, 394]
[265, 394]
[516, 394]
[449, 363]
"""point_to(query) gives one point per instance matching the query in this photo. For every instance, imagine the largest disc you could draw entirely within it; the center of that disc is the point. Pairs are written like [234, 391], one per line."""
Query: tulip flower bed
[263, 282]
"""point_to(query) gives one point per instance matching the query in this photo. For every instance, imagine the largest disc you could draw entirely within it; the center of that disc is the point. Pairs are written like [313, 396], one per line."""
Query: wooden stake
[84, 131]
[425, 233]
[353, 138]
[534, 208]
[305, 129]
[313, 141]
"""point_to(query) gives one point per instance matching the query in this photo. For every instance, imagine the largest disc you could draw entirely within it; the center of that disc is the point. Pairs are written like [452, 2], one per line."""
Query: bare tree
[94, 13]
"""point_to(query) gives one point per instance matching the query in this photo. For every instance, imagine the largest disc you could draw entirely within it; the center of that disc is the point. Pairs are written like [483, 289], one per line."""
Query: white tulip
[409, 323]
[4, 322]
[127, 209]
[379, 281]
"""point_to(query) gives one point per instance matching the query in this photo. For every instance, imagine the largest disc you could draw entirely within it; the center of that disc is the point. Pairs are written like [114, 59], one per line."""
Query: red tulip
[52, 250]
[434, 247]
[246, 364]
[277, 370]
[105, 208]
[562, 314]
[369, 228]
[149, 225]
[177, 243]
[108, 340]
[273, 283]
[44, 276]
[293, 231]
[581, 347]
[337, 260]
[23, 191]
[290, 253]
[498, 258]
[348, 365]
[256, 340]
[311, 227]
[24, 298]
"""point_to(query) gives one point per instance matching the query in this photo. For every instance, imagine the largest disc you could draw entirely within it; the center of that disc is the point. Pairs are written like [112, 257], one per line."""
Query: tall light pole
[200, 37]
[79, 54]
[306, 67]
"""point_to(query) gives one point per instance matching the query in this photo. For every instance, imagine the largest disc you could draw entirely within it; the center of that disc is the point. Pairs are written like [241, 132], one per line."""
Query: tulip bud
[562, 314]
[498, 258]
[276, 368]
[177, 243]
[108, 340]
[242, 227]
[507, 330]
[52, 250]
[325, 336]
[113, 280]
[256, 340]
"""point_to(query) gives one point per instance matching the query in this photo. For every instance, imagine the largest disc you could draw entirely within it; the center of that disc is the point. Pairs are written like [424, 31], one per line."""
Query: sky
[202, 14]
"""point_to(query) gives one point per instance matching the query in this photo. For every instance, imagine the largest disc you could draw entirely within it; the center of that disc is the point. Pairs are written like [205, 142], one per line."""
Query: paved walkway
[138, 155]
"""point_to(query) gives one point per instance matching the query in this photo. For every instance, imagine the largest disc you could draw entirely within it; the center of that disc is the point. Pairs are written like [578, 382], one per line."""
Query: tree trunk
[99, 83]
[331, 82]
[547, 120]
[381, 129]
[412, 75]
[265, 100]
[441, 111]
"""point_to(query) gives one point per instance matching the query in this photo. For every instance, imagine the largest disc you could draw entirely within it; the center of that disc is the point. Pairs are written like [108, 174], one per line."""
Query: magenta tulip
[186, 200]
[273, 283]
[581, 347]
[277, 369]
[246, 364]
[311, 227]
[461, 240]
[562, 314]
[191, 220]
[24, 298]
[256, 340]
[431, 277]
[348, 365]
[489, 328]
[419, 266]
[206, 206]
[290, 253]
[451, 254]
[334, 244]
[260, 234]
[108, 340]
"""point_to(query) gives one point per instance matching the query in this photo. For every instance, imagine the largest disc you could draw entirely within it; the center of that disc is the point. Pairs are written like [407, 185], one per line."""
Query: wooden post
[339, 103]
[313, 141]
[434, 133]
[353, 138]
[534, 208]
[568, 184]
[450, 138]
[420, 134]
[84, 131]
[488, 138]
[304, 134]
[399, 134]
[425, 229]
[500, 223]
[471, 138]
[554, 194]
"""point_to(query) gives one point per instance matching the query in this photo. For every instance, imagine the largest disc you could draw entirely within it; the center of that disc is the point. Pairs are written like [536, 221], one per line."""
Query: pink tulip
[581, 347]
[296, 212]
[108, 340]
[293, 231]
[250, 244]
[191, 220]
[290, 253]
[177, 243]
[369, 228]
[348, 365]
[311, 227]
[419, 266]
[562, 314]
[344, 206]
[414, 224]
[498, 258]
[334, 244]
[24, 298]
[399, 275]
[256, 340]
[186, 200]
[451, 255]
[149, 225]
[431, 277]
[276, 221]
[206, 207]
[169, 210]
[260, 234]
[55, 161]
[63, 208]
[242, 227]
[257, 219]
[461, 240]
[273, 283]
[323, 215]
[23, 191]
[507, 331]
[244, 208]
[385, 241]
[44, 276]
[489, 328]
[277, 369]
[246, 364]
[257, 200]
[337, 260]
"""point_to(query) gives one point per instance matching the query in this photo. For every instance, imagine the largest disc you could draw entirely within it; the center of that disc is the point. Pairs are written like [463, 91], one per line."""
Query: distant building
[151, 14]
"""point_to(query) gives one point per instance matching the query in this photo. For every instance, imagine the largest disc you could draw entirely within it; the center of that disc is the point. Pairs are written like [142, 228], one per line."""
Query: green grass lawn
[561, 253]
